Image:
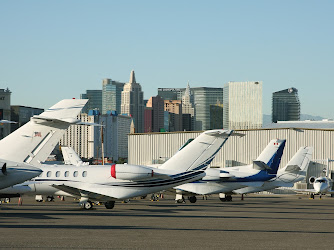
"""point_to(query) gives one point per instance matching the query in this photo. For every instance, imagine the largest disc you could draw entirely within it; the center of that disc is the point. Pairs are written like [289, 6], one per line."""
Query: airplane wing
[93, 191]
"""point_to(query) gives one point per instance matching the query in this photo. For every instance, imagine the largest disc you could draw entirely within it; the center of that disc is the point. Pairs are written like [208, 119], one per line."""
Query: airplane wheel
[312, 196]
[50, 198]
[180, 201]
[192, 199]
[109, 204]
[7, 200]
[228, 197]
[88, 205]
[222, 199]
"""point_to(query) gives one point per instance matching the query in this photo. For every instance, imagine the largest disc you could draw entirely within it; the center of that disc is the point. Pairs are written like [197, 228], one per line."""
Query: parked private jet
[293, 172]
[225, 180]
[34, 141]
[122, 181]
[321, 186]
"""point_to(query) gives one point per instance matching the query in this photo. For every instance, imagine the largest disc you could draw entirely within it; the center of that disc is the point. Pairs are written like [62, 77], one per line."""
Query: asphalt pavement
[257, 222]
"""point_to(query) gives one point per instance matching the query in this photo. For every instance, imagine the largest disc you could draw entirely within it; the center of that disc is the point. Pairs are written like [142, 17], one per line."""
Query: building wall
[243, 105]
[111, 95]
[86, 140]
[242, 150]
[5, 113]
[286, 105]
[94, 100]
[22, 115]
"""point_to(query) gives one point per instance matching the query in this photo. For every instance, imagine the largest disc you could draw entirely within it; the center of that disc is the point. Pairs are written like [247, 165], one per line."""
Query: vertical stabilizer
[34, 141]
[272, 155]
[199, 153]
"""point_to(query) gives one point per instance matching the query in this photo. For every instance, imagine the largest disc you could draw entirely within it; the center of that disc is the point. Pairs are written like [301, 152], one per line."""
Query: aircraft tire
[88, 205]
[222, 199]
[109, 204]
[50, 198]
[192, 199]
[228, 197]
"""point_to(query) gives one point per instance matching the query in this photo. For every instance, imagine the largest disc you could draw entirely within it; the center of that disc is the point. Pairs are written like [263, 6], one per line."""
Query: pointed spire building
[133, 102]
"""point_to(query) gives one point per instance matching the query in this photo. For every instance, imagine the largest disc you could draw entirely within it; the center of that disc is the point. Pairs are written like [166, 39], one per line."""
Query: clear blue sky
[51, 50]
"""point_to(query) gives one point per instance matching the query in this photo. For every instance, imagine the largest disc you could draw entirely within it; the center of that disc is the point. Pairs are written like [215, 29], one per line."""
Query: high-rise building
[22, 114]
[188, 110]
[156, 103]
[174, 107]
[242, 105]
[216, 116]
[94, 100]
[87, 142]
[203, 97]
[5, 112]
[133, 102]
[111, 95]
[286, 105]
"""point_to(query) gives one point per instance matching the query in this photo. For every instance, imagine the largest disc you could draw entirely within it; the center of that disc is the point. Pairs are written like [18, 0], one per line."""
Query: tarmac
[257, 222]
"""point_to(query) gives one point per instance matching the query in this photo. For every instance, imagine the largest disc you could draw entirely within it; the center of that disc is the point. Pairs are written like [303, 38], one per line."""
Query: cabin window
[67, 174]
[75, 173]
[48, 174]
[84, 173]
[58, 174]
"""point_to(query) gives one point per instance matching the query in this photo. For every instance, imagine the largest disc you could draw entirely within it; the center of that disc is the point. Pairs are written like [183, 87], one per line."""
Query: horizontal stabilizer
[292, 168]
[259, 165]
[226, 175]
[223, 133]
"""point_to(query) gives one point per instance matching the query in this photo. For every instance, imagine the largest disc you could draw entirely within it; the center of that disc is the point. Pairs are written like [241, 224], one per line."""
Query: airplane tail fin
[71, 157]
[34, 141]
[199, 153]
[271, 156]
[300, 161]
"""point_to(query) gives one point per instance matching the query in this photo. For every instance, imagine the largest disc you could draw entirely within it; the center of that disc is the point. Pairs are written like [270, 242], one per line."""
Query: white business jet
[293, 172]
[122, 181]
[34, 141]
[225, 180]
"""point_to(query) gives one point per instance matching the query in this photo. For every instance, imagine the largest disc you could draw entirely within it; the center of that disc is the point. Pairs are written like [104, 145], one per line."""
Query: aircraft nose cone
[30, 170]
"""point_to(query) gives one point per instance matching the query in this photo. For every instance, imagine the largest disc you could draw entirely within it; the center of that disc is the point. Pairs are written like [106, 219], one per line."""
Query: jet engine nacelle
[3, 167]
[311, 180]
[131, 172]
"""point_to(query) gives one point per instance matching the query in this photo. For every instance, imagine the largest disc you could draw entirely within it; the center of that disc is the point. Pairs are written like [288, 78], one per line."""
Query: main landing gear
[223, 197]
[109, 204]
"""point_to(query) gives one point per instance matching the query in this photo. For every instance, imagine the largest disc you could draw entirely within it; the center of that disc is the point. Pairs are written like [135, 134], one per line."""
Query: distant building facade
[22, 114]
[216, 116]
[94, 100]
[86, 140]
[174, 107]
[111, 95]
[203, 97]
[156, 104]
[188, 110]
[242, 105]
[286, 105]
[5, 113]
[133, 102]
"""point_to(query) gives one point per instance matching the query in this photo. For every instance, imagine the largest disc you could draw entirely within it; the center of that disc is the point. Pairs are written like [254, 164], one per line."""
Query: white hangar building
[154, 148]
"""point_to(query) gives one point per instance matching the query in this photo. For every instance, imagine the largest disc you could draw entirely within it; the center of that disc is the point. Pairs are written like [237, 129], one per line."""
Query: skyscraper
[174, 107]
[216, 115]
[133, 102]
[286, 105]
[111, 95]
[156, 103]
[188, 110]
[203, 97]
[242, 105]
[95, 100]
[5, 112]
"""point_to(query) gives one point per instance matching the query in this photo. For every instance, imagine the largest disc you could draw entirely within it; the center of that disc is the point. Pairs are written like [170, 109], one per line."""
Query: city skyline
[56, 50]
